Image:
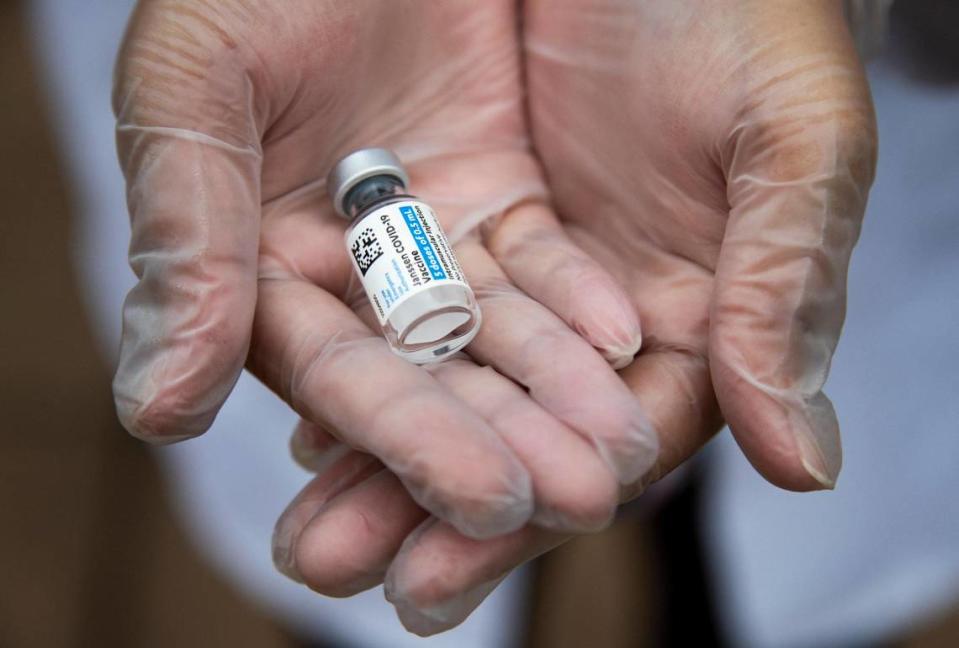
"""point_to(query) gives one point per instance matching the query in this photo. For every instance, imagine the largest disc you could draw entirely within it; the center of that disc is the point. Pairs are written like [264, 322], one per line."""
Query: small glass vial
[415, 284]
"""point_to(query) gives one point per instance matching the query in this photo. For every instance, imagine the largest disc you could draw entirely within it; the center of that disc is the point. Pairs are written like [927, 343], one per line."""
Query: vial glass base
[434, 324]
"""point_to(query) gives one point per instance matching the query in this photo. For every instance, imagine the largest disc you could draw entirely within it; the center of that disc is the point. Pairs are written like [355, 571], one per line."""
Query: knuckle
[176, 41]
[471, 491]
[187, 66]
[830, 128]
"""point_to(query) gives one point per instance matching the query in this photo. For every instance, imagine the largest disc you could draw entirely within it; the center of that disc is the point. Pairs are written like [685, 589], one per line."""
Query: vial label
[399, 250]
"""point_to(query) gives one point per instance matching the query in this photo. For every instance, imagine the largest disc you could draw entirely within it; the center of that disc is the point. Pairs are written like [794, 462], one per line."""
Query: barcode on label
[366, 250]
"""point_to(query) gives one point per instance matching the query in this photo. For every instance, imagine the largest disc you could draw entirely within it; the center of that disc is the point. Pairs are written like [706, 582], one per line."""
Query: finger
[333, 370]
[347, 546]
[798, 179]
[573, 488]
[315, 449]
[189, 151]
[527, 342]
[439, 576]
[532, 248]
[346, 471]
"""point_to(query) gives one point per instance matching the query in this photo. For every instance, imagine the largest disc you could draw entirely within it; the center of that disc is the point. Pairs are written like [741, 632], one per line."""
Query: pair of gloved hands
[685, 180]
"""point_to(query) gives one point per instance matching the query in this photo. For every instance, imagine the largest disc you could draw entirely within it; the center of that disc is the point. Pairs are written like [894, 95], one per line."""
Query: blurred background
[105, 542]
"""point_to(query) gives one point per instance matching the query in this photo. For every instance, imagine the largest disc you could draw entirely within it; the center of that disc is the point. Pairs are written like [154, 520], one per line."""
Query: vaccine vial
[414, 283]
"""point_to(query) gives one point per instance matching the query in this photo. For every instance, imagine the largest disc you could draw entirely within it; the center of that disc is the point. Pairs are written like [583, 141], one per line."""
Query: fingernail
[611, 327]
[621, 356]
[509, 514]
[282, 544]
[142, 424]
[553, 520]
[310, 455]
[429, 620]
[814, 466]
[635, 453]
[817, 437]
[625, 339]
[503, 506]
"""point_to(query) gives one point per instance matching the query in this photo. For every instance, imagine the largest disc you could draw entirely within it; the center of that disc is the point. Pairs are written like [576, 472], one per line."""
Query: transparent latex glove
[717, 158]
[229, 116]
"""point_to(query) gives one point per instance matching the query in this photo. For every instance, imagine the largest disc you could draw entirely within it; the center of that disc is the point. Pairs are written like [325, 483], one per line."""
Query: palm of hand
[717, 158]
[438, 83]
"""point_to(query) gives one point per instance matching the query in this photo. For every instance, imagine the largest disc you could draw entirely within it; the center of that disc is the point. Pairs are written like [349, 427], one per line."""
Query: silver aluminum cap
[357, 167]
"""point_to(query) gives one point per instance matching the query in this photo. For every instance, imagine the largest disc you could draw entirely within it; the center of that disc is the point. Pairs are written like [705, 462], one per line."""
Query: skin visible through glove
[702, 167]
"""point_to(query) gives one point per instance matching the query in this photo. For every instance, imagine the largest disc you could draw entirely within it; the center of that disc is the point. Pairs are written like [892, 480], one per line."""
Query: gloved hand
[716, 157]
[230, 114]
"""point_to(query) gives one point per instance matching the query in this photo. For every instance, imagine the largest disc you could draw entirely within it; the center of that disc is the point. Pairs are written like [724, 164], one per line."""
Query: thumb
[800, 165]
[190, 154]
